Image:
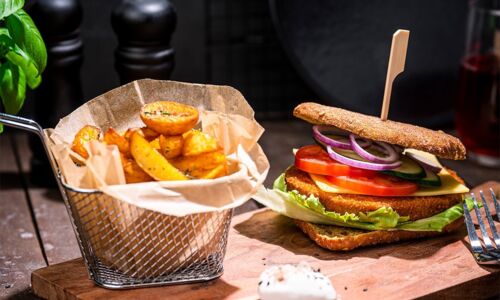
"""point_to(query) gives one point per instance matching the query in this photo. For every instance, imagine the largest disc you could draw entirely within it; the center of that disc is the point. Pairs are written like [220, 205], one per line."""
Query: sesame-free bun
[406, 135]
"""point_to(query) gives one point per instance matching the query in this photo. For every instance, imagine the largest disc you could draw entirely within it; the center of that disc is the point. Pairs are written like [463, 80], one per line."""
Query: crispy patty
[414, 207]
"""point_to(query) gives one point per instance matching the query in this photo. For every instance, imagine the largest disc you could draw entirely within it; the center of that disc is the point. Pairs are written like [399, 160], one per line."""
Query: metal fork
[490, 253]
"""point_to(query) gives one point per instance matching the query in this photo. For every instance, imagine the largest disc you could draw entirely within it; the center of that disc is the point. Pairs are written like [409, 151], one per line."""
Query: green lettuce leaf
[310, 209]
[439, 221]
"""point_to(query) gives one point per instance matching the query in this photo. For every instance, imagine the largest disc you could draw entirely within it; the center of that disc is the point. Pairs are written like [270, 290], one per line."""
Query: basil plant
[23, 56]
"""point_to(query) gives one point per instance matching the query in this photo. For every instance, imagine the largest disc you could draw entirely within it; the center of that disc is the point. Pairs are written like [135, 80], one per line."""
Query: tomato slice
[377, 185]
[313, 159]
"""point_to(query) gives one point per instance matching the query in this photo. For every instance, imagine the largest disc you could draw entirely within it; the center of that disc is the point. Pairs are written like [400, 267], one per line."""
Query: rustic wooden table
[36, 231]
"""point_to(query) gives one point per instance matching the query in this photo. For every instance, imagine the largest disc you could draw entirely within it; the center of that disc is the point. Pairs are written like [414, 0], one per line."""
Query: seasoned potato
[151, 161]
[148, 133]
[206, 161]
[112, 137]
[169, 118]
[155, 143]
[197, 142]
[219, 171]
[83, 136]
[128, 134]
[171, 146]
[133, 173]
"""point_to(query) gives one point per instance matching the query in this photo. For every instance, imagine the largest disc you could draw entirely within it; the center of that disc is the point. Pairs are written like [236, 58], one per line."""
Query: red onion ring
[361, 164]
[323, 139]
[391, 154]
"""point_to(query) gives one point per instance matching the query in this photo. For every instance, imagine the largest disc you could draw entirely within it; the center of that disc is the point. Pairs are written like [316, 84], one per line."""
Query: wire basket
[125, 246]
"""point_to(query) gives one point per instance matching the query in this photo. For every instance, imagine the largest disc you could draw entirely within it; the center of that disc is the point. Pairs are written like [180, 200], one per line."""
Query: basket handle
[21, 123]
[34, 127]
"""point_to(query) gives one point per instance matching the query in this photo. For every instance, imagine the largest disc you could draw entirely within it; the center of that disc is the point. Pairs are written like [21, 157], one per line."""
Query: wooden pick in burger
[396, 66]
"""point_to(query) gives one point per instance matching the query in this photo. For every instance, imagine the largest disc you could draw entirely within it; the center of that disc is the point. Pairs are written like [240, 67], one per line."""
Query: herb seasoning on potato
[168, 148]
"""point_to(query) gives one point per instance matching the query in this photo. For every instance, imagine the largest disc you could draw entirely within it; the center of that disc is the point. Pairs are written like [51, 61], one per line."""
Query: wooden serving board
[429, 268]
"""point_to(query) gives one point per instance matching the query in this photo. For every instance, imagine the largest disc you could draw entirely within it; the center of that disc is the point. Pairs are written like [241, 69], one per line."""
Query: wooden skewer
[396, 65]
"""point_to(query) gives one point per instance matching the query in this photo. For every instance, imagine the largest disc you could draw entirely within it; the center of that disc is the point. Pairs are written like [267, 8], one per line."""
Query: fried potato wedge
[156, 143]
[197, 142]
[169, 118]
[207, 161]
[146, 132]
[151, 161]
[219, 171]
[171, 146]
[133, 173]
[83, 136]
[112, 137]
[149, 133]
[128, 134]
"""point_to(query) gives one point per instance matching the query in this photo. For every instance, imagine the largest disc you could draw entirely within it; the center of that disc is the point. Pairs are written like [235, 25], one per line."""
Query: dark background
[281, 53]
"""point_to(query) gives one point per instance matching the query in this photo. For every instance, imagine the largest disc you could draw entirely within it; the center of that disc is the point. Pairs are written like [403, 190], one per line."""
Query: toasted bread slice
[409, 136]
[344, 239]
[414, 207]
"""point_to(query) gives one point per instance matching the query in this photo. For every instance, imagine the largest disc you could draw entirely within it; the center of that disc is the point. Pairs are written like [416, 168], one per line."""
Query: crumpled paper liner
[224, 113]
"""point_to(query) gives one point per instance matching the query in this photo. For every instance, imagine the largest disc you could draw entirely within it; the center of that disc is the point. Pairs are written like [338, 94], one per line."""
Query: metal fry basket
[125, 246]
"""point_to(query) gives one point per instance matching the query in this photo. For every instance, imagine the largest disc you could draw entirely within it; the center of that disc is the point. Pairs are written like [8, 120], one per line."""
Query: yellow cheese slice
[448, 184]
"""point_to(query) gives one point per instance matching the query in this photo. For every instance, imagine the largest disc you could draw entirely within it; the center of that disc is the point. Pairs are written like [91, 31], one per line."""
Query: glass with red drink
[477, 116]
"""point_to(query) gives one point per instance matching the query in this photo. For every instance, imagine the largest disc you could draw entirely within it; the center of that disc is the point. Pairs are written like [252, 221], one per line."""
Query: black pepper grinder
[144, 29]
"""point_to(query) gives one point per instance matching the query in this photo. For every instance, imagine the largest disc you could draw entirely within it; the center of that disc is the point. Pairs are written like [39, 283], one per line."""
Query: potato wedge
[197, 142]
[169, 118]
[112, 137]
[151, 161]
[171, 146]
[133, 173]
[207, 161]
[83, 136]
[156, 143]
[148, 133]
[219, 171]
[128, 134]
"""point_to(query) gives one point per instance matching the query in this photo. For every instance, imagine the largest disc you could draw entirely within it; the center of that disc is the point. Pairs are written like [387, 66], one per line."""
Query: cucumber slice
[430, 179]
[409, 169]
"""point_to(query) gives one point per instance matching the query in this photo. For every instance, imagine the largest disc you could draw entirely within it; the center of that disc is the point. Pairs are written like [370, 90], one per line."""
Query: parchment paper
[224, 113]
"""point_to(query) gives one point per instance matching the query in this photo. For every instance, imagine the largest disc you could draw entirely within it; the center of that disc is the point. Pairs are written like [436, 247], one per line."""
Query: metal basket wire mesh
[125, 246]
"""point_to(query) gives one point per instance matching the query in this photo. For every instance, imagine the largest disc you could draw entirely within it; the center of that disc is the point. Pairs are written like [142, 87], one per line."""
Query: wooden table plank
[53, 222]
[439, 267]
[20, 251]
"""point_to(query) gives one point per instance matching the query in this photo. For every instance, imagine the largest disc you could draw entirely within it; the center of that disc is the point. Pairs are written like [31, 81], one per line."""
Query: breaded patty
[414, 207]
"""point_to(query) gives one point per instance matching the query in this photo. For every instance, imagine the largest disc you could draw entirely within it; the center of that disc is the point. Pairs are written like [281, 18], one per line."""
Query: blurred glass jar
[477, 116]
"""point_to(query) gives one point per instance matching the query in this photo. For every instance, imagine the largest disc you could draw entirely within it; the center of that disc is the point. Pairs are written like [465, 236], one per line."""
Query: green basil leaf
[8, 7]
[24, 33]
[12, 87]
[18, 57]
[4, 47]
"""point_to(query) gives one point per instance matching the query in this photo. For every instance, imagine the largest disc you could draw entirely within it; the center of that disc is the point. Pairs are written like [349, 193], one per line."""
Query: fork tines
[490, 253]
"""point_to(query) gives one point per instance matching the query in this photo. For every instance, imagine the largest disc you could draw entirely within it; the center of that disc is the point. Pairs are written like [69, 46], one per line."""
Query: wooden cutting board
[431, 268]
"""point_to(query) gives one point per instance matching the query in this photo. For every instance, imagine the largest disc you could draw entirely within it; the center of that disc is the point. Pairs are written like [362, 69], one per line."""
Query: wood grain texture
[58, 239]
[425, 268]
[20, 251]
